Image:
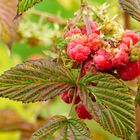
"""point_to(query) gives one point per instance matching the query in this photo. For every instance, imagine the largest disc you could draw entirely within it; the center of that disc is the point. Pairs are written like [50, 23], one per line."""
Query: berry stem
[86, 20]
[73, 101]
[80, 73]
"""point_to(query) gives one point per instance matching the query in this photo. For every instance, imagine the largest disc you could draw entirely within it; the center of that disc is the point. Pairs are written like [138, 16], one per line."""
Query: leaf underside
[24, 5]
[8, 25]
[70, 129]
[37, 80]
[132, 7]
[112, 107]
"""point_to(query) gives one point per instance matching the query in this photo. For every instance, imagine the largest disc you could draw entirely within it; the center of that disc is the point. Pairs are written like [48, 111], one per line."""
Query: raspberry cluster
[98, 53]
[103, 54]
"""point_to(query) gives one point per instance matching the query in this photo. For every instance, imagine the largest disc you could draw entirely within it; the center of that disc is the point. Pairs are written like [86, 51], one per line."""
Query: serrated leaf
[24, 5]
[37, 80]
[110, 103]
[132, 7]
[71, 129]
[51, 126]
[78, 130]
[8, 25]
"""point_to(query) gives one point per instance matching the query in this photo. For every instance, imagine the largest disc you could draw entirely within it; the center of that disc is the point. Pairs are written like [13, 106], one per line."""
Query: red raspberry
[127, 41]
[124, 47]
[134, 37]
[130, 71]
[94, 42]
[102, 60]
[88, 68]
[94, 28]
[120, 59]
[72, 32]
[82, 112]
[67, 96]
[77, 51]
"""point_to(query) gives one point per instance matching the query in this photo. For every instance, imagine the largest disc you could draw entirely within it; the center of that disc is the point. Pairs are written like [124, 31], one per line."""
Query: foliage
[105, 96]
[8, 25]
[132, 7]
[70, 128]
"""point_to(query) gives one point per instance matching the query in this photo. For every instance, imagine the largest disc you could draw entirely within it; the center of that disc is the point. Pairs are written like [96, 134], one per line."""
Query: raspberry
[72, 32]
[94, 28]
[102, 60]
[124, 47]
[77, 51]
[127, 41]
[130, 71]
[67, 97]
[94, 42]
[82, 112]
[120, 59]
[88, 68]
[134, 37]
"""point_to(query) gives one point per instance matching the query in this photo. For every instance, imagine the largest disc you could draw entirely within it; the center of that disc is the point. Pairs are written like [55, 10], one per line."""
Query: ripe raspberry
[134, 37]
[124, 47]
[102, 60]
[94, 28]
[120, 59]
[73, 32]
[130, 71]
[94, 42]
[127, 41]
[77, 51]
[82, 112]
[67, 96]
[88, 67]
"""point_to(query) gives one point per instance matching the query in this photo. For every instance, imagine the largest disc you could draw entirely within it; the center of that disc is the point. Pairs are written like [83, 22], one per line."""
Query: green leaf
[132, 7]
[110, 103]
[37, 80]
[8, 25]
[78, 130]
[51, 126]
[24, 5]
[70, 129]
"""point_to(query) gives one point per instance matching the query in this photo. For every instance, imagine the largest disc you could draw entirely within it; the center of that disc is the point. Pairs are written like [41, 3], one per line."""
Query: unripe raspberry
[94, 28]
[82, 112]
[72, 32]
[130, 71]
[68, 95]
[102, 60]
[134, 37]
[120, 59]
[135, 54]
[77, 51]
[94, 42]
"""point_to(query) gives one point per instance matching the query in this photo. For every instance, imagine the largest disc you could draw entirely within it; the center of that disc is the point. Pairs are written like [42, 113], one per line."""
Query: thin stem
[75, 90]
[73, 102]
[87, 23]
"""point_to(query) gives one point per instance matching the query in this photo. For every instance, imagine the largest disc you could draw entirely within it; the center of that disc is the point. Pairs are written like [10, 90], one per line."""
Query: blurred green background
[37, 35]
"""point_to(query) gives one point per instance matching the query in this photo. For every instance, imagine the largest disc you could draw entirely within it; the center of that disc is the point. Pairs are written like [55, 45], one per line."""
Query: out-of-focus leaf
[70, 129]
[110, 103]
[37, 80]
[132, 7]
[24, 5]
[8, 25]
